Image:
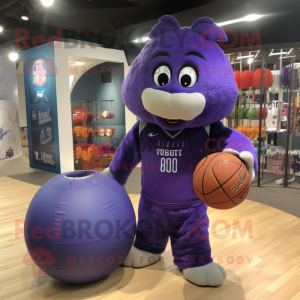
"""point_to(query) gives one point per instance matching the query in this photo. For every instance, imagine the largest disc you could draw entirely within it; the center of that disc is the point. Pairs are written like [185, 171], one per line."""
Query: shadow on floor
[285, 199]
[37, 178]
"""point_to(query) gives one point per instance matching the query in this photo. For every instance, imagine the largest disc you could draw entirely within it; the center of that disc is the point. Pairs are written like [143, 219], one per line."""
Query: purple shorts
[187, 229]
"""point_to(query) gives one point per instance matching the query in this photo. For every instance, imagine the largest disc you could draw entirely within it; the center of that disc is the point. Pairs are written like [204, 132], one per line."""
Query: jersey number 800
[168, 165]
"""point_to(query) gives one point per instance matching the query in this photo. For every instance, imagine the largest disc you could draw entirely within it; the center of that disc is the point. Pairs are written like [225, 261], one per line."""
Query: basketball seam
[199, 168]
[230, 178]
[194, 175]
[215, 176]
[225, 181]
[205, 171]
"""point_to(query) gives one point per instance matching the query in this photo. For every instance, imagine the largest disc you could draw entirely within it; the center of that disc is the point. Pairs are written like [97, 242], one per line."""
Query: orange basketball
[221, 181]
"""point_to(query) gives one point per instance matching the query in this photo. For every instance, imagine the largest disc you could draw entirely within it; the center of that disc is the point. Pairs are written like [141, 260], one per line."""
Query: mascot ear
[209, 30]
[166, 23]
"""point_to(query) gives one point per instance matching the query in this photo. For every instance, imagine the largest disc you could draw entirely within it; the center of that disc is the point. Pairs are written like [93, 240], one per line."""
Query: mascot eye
[162, 75]
[187, 77]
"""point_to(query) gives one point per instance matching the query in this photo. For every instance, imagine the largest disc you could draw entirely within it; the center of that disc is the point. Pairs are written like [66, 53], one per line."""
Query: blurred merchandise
[93, 126]
[252, 132]
[107, 114]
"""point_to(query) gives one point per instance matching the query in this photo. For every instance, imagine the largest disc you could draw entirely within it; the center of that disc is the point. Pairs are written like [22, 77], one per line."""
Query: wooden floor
[268, 266]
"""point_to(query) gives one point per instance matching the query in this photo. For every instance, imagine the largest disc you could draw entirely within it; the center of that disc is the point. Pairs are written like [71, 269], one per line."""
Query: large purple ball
[80, 226]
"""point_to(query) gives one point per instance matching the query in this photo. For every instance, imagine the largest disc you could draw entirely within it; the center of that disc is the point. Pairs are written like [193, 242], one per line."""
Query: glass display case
[267, 110]
[93, 127]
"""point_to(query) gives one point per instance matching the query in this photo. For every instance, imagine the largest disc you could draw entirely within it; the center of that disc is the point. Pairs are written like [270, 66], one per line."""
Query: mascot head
[181, 78]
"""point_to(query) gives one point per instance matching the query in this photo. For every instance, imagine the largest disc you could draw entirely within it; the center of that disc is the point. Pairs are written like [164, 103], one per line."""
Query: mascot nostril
[181, 86]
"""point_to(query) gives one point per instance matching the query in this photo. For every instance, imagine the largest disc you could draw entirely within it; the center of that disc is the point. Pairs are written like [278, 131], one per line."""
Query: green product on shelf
[240, 113]
[245, 114]
[249, 114]
[232, 115]
[254, 113]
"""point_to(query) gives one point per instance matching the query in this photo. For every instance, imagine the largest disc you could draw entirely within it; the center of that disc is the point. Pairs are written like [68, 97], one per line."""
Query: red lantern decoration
[247, 79]
[268, 78]
[237, 76]
[264, 113]
[75, 118]
[256, 78]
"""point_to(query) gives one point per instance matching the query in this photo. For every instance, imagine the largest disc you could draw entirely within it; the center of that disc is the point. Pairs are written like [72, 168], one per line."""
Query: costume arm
[226, 138]
[127, 156]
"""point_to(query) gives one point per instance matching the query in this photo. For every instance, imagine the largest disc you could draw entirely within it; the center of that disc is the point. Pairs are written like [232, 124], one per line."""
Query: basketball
[221, 181]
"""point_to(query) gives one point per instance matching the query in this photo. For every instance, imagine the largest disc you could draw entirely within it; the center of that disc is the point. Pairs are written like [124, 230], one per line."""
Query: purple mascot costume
[180, 86]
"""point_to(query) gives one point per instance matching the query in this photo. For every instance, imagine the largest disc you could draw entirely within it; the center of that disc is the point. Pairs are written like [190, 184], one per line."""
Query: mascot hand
[107, 172]
[247, 158]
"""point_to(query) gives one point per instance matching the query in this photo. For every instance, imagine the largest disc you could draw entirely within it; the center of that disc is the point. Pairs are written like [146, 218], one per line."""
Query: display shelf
[93, 127]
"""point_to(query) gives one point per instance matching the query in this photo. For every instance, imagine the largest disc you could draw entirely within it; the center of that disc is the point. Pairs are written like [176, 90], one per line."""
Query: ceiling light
[13, 56]
[288, 56]
[250, 60]
[256, 54]
[248, 18]
[290, 51]
[252, 17]
[47, 2]
[25, 14]
[2, 22]
[277, 53]
[239, 57]
[79, 63]
[142, 40]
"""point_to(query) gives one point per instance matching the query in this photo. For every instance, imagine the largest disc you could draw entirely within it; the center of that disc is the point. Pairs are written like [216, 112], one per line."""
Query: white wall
[80, 70]
[130, 118]
[22, 101]
[9, 109]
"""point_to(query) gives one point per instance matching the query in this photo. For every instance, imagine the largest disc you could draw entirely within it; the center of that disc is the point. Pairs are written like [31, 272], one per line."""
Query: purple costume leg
[187, 228]
[151, 234]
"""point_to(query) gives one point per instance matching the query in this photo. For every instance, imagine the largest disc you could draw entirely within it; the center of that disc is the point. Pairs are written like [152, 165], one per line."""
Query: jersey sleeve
[127, 155]
[222, 137]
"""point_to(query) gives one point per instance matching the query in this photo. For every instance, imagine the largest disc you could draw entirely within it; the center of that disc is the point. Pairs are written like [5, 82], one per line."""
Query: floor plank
[266, 266]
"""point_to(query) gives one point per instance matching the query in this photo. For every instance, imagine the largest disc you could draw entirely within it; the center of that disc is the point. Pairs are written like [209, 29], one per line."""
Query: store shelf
[91, 139]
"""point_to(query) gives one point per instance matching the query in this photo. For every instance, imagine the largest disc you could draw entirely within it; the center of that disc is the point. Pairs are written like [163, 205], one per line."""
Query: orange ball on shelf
[249, 132]
[244, 130]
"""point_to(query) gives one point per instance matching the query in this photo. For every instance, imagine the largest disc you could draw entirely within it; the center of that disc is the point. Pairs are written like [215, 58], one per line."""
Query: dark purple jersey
[168, 164]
